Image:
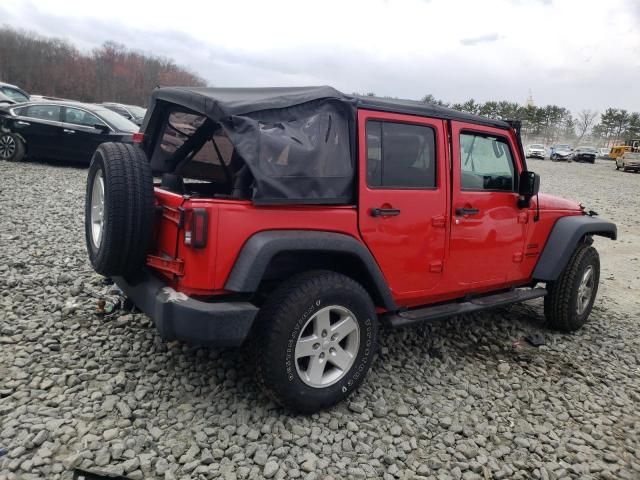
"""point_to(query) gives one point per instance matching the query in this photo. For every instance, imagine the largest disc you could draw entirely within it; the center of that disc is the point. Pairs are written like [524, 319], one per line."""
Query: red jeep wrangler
[301, 218]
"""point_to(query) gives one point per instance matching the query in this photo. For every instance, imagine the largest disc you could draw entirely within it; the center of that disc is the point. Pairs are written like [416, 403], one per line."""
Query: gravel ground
[465, 398]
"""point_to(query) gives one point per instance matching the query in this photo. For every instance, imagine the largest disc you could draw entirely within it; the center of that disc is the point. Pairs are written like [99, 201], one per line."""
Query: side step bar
[446, 310]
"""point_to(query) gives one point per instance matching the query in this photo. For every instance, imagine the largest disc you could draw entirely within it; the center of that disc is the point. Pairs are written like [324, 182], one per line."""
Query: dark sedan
[57, 130]
[585, 154]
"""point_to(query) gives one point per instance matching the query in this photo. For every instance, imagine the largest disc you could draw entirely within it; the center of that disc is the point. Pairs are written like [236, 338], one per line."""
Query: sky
[577, 54]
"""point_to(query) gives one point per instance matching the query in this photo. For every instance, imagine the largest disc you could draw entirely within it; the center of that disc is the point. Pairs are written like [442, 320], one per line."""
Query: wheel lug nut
[316, 346]
[324, 333]
[322, 355]
[334, 337]
[332, 351]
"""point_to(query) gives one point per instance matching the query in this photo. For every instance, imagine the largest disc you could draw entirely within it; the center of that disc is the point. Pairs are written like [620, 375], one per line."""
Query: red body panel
[427, 254]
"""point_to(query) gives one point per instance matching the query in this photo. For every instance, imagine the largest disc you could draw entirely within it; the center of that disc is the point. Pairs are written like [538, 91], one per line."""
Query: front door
[487, 227]
[403, 199]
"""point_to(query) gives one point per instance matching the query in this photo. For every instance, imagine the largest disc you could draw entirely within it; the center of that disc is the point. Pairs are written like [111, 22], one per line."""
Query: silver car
[628, 161]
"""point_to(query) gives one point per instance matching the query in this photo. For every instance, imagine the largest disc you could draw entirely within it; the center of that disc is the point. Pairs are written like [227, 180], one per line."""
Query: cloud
[424, 49]
[491, 37]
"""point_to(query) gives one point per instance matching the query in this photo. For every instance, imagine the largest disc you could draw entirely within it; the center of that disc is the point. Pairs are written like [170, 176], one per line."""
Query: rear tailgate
[184, 243]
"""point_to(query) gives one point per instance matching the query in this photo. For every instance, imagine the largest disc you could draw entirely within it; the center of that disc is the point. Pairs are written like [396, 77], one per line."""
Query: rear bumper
[178, 317]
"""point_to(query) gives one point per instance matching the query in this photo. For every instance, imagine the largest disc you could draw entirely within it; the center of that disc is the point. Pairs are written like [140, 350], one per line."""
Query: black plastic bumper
[179, 317]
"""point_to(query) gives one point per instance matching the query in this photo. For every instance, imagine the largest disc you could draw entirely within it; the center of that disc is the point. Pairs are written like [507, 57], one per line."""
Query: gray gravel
[465, 398]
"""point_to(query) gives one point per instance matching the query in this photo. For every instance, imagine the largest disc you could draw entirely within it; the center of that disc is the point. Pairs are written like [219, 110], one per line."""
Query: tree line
[551, 123]
[54, 67]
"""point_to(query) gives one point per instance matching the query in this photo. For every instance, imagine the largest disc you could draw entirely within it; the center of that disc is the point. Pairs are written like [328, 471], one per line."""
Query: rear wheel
[12, 148]
[118, 209]
[315, 341]
[570, 299]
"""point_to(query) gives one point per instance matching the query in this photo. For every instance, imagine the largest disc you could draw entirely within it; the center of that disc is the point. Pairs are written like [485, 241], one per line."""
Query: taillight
[195, 235]
[138, 137]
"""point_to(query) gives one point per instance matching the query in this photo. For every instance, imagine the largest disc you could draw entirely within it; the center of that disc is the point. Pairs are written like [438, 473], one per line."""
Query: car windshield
[563, 147]
[116, 120]
[14, 94]
[587, 149]
[536, 146]
[138, 112]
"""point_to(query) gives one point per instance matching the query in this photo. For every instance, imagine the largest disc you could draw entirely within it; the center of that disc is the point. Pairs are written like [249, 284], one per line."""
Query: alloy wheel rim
[97, 209]
[7, 146]
[585, 290]
[327, 346]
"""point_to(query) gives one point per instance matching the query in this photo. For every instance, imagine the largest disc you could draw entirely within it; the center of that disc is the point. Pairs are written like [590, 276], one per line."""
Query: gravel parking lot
[465, 398]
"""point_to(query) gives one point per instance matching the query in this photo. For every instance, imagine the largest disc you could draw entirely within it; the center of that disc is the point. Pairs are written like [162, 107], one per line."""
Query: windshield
[587, 149]
[563, 147]
[117, 120]
[536, 146]
[14, 94]
[138, 112]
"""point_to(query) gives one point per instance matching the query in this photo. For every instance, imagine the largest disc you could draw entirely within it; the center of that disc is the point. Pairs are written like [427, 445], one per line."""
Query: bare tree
[584, 122]
[54, 67]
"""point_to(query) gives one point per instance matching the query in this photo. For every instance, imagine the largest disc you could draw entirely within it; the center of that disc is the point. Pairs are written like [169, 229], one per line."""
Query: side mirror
[102, 127]
[528, 186]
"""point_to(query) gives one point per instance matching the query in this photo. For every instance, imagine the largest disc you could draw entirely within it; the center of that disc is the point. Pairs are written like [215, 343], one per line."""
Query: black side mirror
[528, 186]
[102, 127]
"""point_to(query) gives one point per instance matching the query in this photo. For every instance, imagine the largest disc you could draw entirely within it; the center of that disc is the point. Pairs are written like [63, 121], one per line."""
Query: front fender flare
[259, 250]
[563, 240]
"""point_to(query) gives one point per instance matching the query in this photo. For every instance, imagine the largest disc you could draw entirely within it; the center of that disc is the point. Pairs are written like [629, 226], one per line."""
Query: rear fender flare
[565, 236]
[261, 248]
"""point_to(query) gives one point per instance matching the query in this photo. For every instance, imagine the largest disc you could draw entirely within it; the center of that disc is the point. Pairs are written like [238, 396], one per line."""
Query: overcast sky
[579, 54]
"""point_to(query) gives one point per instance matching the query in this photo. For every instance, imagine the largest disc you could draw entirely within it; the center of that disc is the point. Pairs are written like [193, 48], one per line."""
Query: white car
[628, 161]
[535, 150]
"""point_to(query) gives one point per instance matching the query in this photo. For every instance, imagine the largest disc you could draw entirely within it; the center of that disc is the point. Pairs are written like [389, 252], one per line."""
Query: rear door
[403, 199]
[80, 136]
[487, 227]
[41, 128]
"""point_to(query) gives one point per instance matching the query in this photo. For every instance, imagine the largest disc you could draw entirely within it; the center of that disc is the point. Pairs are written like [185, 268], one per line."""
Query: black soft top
[220, 103]
[298, 144]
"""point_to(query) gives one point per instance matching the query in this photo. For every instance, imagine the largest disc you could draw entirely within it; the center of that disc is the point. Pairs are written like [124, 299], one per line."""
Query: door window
[400, 155]
[81, 117]
[486, 163]
[42, 112]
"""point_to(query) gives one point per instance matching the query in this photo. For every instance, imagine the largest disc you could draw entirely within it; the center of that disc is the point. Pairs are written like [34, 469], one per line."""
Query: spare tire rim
[7, 146]
[327, 346]
[97, 209]
[585, 290]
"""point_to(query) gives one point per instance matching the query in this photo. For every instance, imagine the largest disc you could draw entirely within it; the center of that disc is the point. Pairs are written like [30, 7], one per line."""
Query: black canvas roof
[219, 103]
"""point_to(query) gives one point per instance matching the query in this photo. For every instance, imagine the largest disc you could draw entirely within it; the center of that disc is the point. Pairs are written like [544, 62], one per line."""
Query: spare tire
[118, 209]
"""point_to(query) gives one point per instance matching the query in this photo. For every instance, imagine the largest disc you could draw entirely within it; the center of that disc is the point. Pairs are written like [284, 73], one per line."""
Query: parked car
[130, 112]
[535, 150]
[603, 153]
[59, 130]
[628, 161]
[584, 154]
[10, 94]
[560, 153]
[300, 228]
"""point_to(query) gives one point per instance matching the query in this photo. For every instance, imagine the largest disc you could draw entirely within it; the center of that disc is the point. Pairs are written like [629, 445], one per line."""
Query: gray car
[561, 152]
[10, 94]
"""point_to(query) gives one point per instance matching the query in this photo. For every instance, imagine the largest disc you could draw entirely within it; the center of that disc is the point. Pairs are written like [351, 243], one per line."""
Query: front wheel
[570, 299]
[316, 338]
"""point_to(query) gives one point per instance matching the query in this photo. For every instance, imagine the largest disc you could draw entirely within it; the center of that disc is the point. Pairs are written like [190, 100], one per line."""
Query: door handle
[22, 122]
[466, 211]
[66, 130]
[385, 212]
